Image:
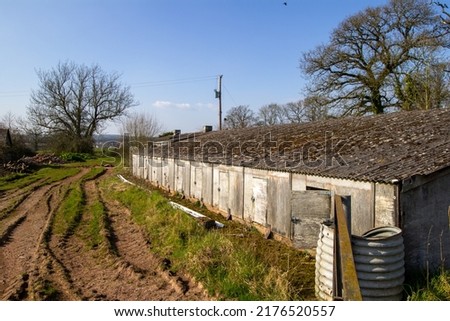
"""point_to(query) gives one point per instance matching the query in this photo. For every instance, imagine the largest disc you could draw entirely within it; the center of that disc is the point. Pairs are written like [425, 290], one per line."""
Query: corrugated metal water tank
[324, 262]
[379, 260]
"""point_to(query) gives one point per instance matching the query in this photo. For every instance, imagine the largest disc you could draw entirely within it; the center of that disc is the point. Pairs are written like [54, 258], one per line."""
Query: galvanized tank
[379, 260]
[324, 262]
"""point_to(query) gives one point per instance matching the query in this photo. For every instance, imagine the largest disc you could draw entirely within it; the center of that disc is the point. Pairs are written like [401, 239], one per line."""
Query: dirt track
[38, 264]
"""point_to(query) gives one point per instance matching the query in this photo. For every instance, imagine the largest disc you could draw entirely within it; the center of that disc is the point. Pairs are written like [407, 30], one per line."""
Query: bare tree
[315, 109]
[142, 126]
[312, 108]
[75, 101]
[20, 142]
[33, 133]
[294, 112]
[370, 51]
[240, 117]
[8, 120]
[271, 114]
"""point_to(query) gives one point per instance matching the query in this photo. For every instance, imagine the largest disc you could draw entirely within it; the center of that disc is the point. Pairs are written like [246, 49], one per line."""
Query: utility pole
[219, 96]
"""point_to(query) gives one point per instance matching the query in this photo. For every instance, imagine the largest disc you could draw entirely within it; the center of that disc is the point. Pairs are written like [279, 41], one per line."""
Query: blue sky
[169, 52]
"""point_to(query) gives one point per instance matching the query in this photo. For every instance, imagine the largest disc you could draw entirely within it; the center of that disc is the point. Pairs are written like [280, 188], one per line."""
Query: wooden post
[346, 264]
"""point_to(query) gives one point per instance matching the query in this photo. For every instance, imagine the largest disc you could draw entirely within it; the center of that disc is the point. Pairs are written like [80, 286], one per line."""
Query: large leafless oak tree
[370, 54]
[75, 101]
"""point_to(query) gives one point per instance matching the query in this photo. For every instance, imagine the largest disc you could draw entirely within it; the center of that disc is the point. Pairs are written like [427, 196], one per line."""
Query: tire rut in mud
[130, 244]
[121, 267]
[36, 263]
[22, 234]
[10, 199]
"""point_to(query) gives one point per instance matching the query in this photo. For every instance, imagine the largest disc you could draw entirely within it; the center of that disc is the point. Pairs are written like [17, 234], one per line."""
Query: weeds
[438, 289]
[46, 291]
[74, 157]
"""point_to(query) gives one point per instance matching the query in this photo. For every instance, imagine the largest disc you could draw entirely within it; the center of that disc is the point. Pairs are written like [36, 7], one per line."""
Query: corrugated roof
[379, 148]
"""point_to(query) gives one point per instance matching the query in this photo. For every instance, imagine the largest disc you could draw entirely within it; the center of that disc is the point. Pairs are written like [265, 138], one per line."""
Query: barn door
[308, 210]
[259, 199]
[179, 176]
[198, 180]
[224, 190]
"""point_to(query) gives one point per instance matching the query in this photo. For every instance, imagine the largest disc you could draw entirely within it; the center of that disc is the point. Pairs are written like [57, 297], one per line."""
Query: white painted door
[179, 175]
[198, 182]
[224, 190]
[259, 200]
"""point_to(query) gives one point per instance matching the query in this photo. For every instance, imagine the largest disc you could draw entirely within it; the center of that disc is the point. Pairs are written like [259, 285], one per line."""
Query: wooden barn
[394, 167]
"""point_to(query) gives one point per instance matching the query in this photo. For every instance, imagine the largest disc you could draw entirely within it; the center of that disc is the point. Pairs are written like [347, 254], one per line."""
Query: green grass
[49, 173]
[97, 159]
[71, 210]
[95, 227]
[69, 213]
[436, 289]
[250, 268]
[46, 291]
[93, 173]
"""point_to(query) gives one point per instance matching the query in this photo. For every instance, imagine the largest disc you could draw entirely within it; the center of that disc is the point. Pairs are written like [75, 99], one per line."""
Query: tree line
[301, 111]
[384, 58]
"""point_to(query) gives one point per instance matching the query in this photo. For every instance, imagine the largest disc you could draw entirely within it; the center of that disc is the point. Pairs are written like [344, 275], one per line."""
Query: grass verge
[436, 289]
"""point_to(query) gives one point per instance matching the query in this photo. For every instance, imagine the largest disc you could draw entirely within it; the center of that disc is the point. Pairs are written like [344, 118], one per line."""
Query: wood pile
[27, 164]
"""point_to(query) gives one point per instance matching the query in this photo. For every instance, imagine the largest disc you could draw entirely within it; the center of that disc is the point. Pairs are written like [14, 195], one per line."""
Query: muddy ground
[38, 264]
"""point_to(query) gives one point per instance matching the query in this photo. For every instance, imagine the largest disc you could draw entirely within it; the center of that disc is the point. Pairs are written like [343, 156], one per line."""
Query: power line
[172, 81]
[155, 83]
[229, 94]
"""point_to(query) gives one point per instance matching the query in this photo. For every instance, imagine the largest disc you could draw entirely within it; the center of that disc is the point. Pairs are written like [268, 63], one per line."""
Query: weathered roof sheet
[381, 148]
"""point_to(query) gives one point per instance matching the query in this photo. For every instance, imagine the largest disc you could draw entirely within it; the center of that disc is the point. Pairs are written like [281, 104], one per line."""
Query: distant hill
[103, 138]
[108, 139]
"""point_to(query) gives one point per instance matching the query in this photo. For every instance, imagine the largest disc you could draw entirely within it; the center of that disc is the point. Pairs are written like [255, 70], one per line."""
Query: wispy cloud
[206, 105]
[170, 105]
